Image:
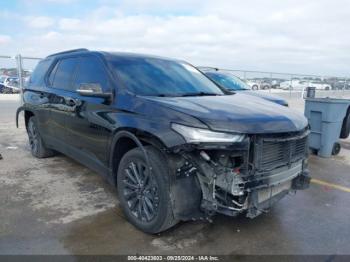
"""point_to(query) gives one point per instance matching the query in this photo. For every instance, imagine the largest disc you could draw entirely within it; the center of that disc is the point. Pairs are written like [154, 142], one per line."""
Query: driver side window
[91, 72]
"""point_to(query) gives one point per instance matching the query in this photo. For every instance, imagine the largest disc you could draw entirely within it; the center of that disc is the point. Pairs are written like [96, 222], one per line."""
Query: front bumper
[248, 177]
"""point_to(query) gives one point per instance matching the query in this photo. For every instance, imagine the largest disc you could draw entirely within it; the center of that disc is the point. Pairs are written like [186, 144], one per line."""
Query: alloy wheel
[33, 137]
[140, 191]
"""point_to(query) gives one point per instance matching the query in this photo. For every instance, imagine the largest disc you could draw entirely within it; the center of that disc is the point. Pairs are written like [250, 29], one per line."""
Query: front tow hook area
[302, 181]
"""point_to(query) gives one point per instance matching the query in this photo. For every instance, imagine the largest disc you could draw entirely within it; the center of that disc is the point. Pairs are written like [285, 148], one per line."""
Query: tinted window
[37, 77]
[64, 73]
[228, 81]
[153, 76]
[91, 71]
[52, 74]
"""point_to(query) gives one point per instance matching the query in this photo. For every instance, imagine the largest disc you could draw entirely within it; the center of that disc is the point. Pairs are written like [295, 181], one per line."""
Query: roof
[109, 55]
[69, 52]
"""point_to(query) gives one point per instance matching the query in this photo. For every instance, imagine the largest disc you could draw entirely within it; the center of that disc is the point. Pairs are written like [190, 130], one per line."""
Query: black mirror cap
[93, 90]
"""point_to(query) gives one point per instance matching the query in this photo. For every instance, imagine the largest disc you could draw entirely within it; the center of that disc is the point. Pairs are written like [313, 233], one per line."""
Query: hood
[236, 113]
[269, 97]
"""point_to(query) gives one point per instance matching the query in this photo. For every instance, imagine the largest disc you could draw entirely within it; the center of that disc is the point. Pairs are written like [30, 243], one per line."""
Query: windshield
[227, 81]
[159, 77]
[2, 79]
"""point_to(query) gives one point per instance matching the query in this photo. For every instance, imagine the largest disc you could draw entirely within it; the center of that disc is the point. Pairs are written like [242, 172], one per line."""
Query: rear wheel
[36, 143]
[144, 194]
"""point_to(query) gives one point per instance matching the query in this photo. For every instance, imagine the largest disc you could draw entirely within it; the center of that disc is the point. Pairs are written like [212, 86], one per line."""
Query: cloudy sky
[311, 37]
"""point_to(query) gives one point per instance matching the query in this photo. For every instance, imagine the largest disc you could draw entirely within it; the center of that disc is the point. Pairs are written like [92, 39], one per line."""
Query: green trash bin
[325, 116]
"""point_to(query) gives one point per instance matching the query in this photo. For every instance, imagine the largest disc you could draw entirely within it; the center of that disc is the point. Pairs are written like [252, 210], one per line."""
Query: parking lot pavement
[57, 206]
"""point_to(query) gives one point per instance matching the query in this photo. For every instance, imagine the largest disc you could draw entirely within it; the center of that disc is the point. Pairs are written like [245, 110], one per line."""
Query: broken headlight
[199, 135]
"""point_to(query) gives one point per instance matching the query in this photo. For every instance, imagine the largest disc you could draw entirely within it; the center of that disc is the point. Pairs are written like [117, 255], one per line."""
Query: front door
[88, 127]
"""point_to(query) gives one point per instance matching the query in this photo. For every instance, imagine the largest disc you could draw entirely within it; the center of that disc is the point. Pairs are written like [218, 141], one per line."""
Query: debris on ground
[12, 147]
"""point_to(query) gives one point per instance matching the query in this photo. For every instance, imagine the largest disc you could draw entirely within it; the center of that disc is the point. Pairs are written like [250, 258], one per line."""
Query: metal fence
[285, 84]
[289, 84]
[15, 72]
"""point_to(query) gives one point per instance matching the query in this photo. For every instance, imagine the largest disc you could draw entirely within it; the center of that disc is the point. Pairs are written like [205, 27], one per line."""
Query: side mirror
[93, 90]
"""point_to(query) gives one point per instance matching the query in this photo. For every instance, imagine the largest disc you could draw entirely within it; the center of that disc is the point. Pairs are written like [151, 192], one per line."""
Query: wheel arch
[126, 139]
[27, 114]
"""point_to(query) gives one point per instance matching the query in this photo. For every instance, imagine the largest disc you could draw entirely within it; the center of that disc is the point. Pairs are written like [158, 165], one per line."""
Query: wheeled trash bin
[329, 120]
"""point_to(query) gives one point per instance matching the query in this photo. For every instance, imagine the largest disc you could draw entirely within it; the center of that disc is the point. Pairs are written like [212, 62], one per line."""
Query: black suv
[175, 145]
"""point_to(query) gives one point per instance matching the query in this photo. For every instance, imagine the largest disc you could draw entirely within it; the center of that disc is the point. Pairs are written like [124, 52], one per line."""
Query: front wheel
[144, 193]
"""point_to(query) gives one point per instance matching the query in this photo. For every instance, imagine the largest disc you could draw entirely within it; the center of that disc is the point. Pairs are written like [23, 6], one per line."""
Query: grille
[276, 153]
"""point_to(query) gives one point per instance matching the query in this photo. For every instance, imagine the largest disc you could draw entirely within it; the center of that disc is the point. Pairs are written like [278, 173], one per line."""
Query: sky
[307, 37]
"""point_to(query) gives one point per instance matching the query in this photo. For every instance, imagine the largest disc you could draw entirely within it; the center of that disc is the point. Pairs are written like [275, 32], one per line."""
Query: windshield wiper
[200, 94]
[165, 95]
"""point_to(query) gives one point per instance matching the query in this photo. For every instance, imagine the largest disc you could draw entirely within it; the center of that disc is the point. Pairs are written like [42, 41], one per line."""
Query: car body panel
[238, 113]
[272, 98]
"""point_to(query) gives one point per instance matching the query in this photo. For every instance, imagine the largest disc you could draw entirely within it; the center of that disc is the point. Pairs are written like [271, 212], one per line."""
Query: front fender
[157, 127]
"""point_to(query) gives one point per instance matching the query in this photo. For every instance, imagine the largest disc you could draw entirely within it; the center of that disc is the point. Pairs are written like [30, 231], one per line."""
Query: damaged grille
[275, 152]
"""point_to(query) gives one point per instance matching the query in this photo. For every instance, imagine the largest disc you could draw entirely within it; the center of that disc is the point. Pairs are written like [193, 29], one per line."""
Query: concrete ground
[57, 206]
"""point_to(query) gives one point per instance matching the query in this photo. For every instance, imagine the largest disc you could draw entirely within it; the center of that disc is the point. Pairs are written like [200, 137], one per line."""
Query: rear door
[36, 96]
[61, 86]
[87, 123]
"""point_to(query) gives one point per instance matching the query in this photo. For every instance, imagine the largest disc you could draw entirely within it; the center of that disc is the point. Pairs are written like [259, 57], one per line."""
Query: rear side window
[37, 77]
[63, 74]
[91, 71]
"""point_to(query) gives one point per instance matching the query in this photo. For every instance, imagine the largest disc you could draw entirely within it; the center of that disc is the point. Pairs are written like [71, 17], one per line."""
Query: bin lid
[329, 100]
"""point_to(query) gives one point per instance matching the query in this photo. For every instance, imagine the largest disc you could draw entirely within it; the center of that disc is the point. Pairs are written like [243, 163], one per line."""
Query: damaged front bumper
[246, 177]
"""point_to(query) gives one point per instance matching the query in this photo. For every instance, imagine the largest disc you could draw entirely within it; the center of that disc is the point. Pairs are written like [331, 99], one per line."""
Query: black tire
[336, 149]
[345, 129]
[313, 151]
[36, 143]
[140, 193]
[255, 87]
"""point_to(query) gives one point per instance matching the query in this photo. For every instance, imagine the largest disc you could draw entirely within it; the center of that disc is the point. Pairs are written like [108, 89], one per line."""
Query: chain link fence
[15, 72]
[288, 84]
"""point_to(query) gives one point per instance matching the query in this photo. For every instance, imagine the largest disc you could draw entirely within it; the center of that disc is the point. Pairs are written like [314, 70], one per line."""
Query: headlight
[197, 135]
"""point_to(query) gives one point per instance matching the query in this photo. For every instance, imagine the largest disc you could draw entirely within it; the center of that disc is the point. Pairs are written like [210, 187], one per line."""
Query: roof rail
[208, 68]
[69, 51]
